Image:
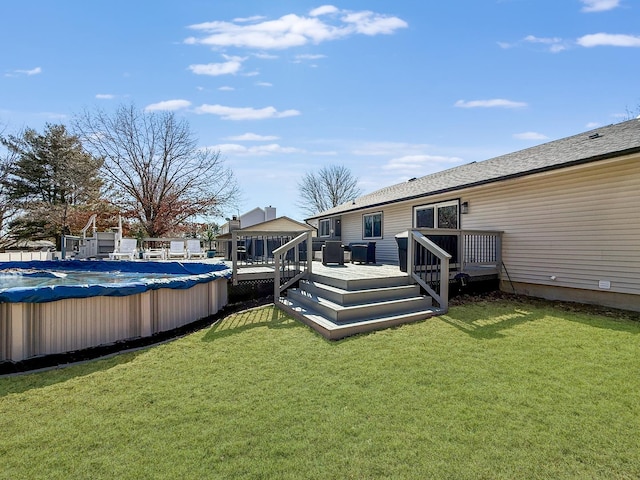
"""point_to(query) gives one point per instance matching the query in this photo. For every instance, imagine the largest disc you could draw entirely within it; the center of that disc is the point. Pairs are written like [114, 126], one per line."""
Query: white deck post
[461, 250]
[309, 252]
[410, 253]
[276, 278]
[234, 256]
[444, 284]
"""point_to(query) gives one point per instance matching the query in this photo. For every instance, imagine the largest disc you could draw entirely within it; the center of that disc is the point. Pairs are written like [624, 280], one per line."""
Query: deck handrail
[280, 254]
[433, 277]
[472, 247]
[253, 248]
[90, 223]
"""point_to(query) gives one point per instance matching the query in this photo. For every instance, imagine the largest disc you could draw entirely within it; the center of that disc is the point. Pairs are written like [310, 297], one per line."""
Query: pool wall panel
[32, 329]
[5, 332]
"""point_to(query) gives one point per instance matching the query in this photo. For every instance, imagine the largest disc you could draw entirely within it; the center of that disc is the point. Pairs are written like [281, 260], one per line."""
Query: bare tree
[632, 113]
[8, 207]
[154, 170]
[328, 188]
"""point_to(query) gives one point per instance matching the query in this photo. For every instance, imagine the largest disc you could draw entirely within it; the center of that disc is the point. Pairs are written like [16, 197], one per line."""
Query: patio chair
[363, 252]
[332, 252]
[176, 250]
[126, 249]
[152, 253]
[194, 249]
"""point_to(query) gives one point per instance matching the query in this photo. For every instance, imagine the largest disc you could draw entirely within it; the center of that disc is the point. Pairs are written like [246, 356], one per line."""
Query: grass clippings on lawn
[498, 388]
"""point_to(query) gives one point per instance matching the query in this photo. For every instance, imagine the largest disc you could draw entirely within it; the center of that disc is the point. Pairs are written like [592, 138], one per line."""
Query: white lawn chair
[152, 253]
[194, 250]
[176, 250]
[127, 249]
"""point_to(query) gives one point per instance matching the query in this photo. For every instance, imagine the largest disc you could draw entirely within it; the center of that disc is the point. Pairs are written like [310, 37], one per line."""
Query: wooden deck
[348, 271]
[353, 271]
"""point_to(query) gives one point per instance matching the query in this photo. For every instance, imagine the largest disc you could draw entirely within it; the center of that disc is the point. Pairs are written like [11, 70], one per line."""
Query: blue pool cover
[48, 281]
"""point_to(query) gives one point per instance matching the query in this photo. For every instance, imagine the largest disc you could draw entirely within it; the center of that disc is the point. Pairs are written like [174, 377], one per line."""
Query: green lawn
[495, 389]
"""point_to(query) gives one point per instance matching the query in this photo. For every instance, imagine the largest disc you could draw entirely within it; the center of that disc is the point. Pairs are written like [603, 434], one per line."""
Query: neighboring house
[252, 217]
[569, 211]
[270, 234]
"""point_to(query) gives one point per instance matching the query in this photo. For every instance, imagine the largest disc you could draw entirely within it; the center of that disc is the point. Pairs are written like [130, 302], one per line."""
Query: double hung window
[324, 229]
[372, 225]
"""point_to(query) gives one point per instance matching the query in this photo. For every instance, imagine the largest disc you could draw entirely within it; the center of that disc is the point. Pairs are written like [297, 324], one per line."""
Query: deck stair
[338, 307]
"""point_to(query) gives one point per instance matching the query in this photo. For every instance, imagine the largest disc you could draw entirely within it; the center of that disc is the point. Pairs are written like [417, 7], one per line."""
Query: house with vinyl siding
[568, 212]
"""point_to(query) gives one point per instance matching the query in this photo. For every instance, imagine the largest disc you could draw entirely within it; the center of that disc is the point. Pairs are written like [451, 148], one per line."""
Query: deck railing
[255, 249]
[468, 248]
[293, 261]
[465, 249]
[428, 264]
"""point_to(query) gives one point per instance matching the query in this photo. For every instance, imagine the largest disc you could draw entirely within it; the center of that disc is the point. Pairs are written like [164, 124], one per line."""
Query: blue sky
[391, 90]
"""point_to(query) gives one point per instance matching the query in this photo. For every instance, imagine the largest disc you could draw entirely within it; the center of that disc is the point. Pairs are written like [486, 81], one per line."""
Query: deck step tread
[371, 304]
[364, 283]
[343, 291]
[333, 330]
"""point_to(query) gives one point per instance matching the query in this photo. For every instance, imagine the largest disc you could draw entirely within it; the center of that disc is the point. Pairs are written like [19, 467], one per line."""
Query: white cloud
[286, 32]
[530, 136]
[390, 148]
[557, 48]
[33, 71]
[599, 5]
[419, 165]
[230, 67]
[554, 44]
[245, 113]
[591, 125]
[370, 23]
[309, 56]
[265, 56]
[254, 18]
[252, 137]
[609, 39]
[258, 150]
[326, 153]
[293, 30]
[543, 40]
[226, 88]
[623, 116]
[493, 103]
[170, 105]
[264, 84]
[105, 96]
[323, 10]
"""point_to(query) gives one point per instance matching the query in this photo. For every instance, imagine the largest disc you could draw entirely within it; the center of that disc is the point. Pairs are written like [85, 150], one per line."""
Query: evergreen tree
[52, 176]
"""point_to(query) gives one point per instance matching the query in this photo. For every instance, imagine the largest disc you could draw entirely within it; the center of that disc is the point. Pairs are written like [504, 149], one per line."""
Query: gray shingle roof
[601, 143]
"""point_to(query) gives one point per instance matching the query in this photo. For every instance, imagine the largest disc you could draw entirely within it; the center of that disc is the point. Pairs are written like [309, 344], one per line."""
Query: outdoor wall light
[464, 207]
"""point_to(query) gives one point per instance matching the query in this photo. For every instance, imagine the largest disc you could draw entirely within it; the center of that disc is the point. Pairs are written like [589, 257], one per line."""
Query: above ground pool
[53, 307]
[47, 281]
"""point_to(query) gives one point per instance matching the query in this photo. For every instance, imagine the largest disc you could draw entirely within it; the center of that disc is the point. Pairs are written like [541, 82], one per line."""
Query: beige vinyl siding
[395, 219]
[579, 224]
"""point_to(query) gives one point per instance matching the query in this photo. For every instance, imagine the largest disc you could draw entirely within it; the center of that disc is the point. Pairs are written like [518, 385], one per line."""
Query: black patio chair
[332, 252]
